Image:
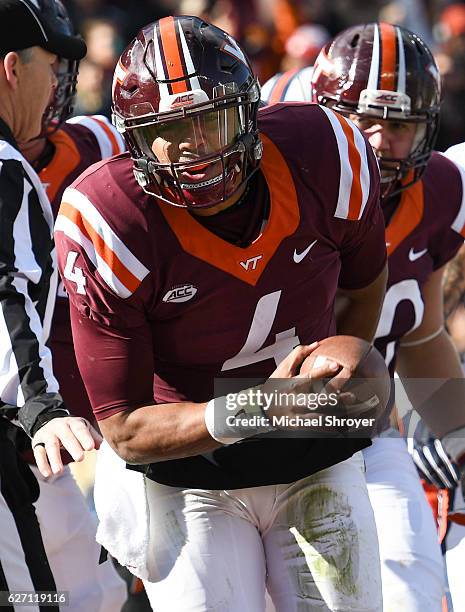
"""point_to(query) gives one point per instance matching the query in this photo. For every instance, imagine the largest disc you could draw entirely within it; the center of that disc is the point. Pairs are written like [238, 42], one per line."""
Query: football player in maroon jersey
[385, 79]
[454, 488]
[212, 252]
[59, 155]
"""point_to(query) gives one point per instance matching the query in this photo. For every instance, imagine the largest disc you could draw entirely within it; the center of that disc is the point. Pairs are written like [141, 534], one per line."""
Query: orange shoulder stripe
[124, 275]
[115, 149]
[281, 85]
[356, 195]
[63, 163]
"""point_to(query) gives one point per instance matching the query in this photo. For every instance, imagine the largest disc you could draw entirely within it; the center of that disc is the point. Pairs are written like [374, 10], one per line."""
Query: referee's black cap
[30, 23]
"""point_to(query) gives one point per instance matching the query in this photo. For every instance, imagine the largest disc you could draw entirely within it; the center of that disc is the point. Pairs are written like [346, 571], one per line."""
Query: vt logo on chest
[251, 263]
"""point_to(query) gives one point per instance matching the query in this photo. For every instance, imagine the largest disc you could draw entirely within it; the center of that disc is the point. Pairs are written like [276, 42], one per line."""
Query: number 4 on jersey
[75, 274]
[262, 322]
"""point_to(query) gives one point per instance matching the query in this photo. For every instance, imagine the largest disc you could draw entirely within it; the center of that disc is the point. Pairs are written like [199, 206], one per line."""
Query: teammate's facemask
[62, 102]
[185, 99]
[384, 71]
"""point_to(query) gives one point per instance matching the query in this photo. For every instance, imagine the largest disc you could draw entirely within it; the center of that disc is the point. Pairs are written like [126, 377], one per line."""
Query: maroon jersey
[79, 142]
[422, 235]
[424, 232]
[161, 305]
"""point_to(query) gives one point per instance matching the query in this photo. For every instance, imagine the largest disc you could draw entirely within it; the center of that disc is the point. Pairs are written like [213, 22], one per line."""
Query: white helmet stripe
[374, 68]
[159, 65]
[194, 81]
[401, 67]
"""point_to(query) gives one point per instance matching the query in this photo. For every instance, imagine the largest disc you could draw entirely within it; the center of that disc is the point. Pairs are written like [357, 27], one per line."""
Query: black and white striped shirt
[28, 280]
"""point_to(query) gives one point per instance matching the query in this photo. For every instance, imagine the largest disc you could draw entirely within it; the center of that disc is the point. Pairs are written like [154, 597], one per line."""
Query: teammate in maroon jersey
[385, 79]
[59, 156]
[59, 159]
[448, 493]
[207, 254]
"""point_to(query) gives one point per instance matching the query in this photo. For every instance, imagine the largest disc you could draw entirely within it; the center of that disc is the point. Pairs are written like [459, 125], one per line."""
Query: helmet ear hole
[131, 85]
[228, 64]
[354, 41]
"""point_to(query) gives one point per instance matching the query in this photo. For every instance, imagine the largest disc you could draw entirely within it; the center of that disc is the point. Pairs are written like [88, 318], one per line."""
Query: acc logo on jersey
[182, 293]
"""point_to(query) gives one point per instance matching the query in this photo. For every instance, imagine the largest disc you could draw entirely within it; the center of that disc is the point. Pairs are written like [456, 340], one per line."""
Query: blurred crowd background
[277, 35]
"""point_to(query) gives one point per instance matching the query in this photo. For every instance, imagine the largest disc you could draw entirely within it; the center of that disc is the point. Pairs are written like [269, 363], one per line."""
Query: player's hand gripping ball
[363, 381]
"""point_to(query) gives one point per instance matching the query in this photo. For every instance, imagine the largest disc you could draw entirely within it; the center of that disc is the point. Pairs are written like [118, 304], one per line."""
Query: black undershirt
[242, 223]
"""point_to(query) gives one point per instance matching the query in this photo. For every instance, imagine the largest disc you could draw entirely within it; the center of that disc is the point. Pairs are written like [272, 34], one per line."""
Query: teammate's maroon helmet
[385, 71]
[61, 106]
[185, 99]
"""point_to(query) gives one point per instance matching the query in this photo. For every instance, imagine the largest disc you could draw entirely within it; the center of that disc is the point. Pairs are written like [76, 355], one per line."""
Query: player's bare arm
[152, 433]
[428, 353]
[358, 310]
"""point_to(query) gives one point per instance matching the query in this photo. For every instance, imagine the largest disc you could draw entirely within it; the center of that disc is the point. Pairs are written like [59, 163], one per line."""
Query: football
[364, 368]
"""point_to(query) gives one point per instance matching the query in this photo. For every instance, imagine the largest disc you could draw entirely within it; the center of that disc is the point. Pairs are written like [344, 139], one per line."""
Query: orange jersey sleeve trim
[115, 148]
[280, 85]
[66, 159]
[356, 194]
[104, 251]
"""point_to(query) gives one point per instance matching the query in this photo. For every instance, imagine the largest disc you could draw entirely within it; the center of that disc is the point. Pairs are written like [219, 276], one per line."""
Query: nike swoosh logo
[414, 256]
[299, 256]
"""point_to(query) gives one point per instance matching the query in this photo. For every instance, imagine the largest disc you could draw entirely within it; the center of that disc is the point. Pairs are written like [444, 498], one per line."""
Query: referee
[30, 44]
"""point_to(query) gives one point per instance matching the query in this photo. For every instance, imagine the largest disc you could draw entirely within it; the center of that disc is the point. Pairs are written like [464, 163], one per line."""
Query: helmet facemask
[186, 100]
[398, 173]
[194, 156]
[62, 104]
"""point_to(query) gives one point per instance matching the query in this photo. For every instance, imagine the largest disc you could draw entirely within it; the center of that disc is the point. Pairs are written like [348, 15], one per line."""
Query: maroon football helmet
[186, 100]
[61, 106]
[385, 71]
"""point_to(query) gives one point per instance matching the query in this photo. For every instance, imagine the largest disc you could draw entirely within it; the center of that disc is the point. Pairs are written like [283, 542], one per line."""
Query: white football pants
[68, 532]
[412, 568]
[455, 556]
[312, 543]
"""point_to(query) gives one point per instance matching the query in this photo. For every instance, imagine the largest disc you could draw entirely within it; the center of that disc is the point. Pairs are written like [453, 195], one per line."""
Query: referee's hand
[74, 434]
